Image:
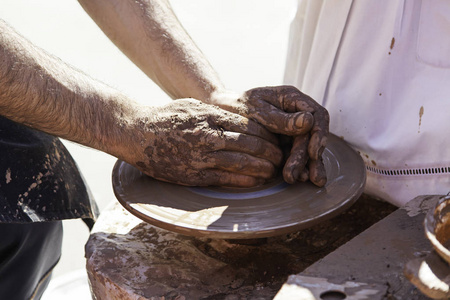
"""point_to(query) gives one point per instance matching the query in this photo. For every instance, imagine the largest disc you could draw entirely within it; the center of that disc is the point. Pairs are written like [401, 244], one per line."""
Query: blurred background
[245, 41]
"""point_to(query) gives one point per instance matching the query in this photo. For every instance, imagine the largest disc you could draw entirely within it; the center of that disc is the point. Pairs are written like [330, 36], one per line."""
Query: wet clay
[190, 143]
[437, 227]
[129, 259]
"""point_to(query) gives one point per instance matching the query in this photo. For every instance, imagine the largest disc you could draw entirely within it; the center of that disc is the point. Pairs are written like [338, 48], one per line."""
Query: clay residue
[420, 117]
[420, 205]
[188, 142]
[8, 176]
[392, 43]
[199, 219]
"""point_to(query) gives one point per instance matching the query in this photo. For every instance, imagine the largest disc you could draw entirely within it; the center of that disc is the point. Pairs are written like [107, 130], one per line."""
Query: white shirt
[382, 69]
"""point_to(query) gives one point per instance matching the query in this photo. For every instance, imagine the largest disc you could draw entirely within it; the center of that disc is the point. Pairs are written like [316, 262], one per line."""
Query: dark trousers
[28, 254]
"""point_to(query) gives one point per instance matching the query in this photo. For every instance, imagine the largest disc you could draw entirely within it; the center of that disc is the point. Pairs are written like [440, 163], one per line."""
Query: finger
[287, 98]
[317, 145]
[281, 122]
[319, 134]
[292, 100]
[237, 123]
[242, 163]
[252, 145]
[214, 177]
[317, 172]
[225, 178]
[298, 101]
[297, 159]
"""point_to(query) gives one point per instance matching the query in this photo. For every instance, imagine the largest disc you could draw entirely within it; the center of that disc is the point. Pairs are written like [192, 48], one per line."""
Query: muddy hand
[286, 110]
[191, 143]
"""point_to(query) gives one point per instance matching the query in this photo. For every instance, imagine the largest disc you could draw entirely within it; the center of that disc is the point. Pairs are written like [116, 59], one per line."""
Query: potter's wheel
[272, 209]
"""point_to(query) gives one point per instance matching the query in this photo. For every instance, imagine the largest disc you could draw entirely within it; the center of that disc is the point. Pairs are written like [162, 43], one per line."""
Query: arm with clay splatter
[189, 143]
[149, 33]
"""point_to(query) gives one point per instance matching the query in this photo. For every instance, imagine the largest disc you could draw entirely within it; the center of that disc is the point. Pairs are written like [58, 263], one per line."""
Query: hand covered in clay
[191, 143]
[287, 111]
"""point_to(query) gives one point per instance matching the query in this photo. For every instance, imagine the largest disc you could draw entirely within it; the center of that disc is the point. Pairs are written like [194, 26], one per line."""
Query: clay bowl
[437, 227]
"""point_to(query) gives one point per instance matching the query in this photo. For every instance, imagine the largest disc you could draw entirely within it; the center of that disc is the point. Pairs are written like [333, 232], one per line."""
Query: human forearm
[187, 142]
[42, 92]
[149, 33]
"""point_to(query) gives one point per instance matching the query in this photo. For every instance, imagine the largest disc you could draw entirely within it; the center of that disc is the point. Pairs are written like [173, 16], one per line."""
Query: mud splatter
[420, 117]
[8, 176]
[392, 45]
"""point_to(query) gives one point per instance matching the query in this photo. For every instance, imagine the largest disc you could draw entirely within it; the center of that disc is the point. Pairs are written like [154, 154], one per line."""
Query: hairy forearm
[149, 33]
[40, 91]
